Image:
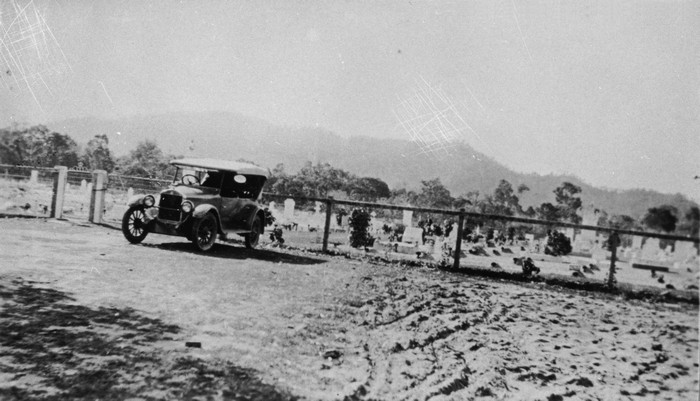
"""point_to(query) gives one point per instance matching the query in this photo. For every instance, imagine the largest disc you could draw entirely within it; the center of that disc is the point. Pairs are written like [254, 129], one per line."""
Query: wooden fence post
[458, 245]
[59, 191]
[327, 227]
[613, 241]
[97, 198]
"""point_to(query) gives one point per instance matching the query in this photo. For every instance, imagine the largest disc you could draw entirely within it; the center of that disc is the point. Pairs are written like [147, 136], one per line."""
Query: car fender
[201, 210]
[135, 200]
[258, 212]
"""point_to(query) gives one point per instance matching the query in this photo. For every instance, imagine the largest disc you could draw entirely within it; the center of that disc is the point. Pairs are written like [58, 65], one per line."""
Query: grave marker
[408, 218]
[289, 208]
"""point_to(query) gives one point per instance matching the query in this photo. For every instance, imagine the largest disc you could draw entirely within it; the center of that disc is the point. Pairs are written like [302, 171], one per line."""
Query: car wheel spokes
[136, 223]
[204, 234]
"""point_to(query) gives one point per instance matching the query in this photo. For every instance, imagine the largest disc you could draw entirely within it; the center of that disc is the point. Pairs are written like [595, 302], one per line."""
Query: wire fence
[492, 242]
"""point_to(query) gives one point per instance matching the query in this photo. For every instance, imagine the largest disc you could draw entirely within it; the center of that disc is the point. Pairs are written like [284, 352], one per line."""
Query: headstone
[317, 207]
[452, 238]
[684, 251]
[129, 193]
[289, 208]
[637, 242]
[413, 235]
[83, 186]
[651, 249]
[34, 177]
[408, 218]
[569, 232]
[530, 238]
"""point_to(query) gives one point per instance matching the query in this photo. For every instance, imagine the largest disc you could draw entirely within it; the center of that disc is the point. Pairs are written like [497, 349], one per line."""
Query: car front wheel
[204, 232]
[134, 225]
[253, 238]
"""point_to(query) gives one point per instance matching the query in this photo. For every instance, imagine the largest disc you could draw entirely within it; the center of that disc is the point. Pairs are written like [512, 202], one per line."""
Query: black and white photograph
[349, 200]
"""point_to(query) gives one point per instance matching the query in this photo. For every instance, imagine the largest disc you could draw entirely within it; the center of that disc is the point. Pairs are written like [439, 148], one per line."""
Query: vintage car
[207, 198]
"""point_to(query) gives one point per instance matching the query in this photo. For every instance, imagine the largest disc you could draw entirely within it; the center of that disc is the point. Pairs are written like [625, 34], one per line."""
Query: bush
[558, 244]
[359, 228]
[269, 218]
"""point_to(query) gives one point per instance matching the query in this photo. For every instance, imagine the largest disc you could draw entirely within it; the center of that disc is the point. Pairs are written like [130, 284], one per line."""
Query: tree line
[38, 146]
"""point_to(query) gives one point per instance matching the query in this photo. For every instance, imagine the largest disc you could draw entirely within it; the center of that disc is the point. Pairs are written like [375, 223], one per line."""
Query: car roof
[224, 165]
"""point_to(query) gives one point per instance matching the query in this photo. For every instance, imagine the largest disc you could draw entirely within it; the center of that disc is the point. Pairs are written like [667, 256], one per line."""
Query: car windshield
[186, 175]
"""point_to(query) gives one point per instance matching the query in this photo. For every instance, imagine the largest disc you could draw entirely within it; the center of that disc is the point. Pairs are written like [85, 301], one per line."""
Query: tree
[146, 160]
[97, 155]
[368, 189]
[548, 212]
[568, 203]
[623, 222]
[359, 228]
[504, 201]
[434, 194]
[691, 225]
[312, 180]
[37, 146]
[558, 244]
[661, 218]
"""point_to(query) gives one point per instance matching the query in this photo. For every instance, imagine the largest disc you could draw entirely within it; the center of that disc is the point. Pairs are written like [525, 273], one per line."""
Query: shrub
[269, 218]
[558, 244]
[359, 228]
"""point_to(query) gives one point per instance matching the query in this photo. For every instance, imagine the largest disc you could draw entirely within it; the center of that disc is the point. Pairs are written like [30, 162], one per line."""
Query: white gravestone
[651, 249]
[413, 235]
[636, 242]
[34, 178]
[408, 218]
[289, 208]
[83, 186]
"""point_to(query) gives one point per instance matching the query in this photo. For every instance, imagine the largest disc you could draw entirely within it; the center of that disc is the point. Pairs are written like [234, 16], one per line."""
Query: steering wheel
[189, 179]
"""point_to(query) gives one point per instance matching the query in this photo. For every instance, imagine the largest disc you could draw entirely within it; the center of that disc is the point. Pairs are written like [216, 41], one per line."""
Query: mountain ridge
[398, 162]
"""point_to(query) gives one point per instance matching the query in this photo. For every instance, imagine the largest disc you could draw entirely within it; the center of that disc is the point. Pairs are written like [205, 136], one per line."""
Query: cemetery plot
[398, 236]
[26, 191]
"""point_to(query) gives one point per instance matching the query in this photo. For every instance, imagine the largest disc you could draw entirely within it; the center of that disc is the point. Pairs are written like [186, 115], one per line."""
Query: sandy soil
[87, 315]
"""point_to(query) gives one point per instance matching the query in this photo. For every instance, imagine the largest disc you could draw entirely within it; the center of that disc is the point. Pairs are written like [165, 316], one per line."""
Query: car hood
[191, 192]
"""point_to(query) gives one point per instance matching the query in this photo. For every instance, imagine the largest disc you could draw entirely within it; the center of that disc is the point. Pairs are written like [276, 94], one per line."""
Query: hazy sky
[606, 90]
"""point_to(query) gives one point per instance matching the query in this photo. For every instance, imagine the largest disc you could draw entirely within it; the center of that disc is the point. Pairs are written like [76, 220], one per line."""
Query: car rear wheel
[134, 225]
[204, 232]
[253, 238]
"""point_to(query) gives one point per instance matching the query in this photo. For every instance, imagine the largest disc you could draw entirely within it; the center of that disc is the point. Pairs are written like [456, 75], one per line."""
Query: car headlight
[149, 201]
[187, 206]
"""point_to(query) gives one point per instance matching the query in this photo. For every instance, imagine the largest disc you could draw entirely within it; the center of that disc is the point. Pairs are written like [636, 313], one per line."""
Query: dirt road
[86, 315]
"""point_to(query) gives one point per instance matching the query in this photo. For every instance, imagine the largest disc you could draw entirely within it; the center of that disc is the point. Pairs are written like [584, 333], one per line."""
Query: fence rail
[482, 216]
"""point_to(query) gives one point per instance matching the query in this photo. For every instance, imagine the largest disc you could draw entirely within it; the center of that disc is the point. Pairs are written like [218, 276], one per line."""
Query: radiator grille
[169, 207]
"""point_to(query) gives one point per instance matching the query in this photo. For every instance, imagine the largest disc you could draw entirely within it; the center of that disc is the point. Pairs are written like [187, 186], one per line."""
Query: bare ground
[86, 315]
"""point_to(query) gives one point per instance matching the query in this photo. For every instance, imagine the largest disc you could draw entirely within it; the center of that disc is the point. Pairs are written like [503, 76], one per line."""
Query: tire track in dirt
[414, 337]
[464, 339]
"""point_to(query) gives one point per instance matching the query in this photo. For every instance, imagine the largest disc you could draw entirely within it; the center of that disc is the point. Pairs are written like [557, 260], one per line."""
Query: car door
[237, 208]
